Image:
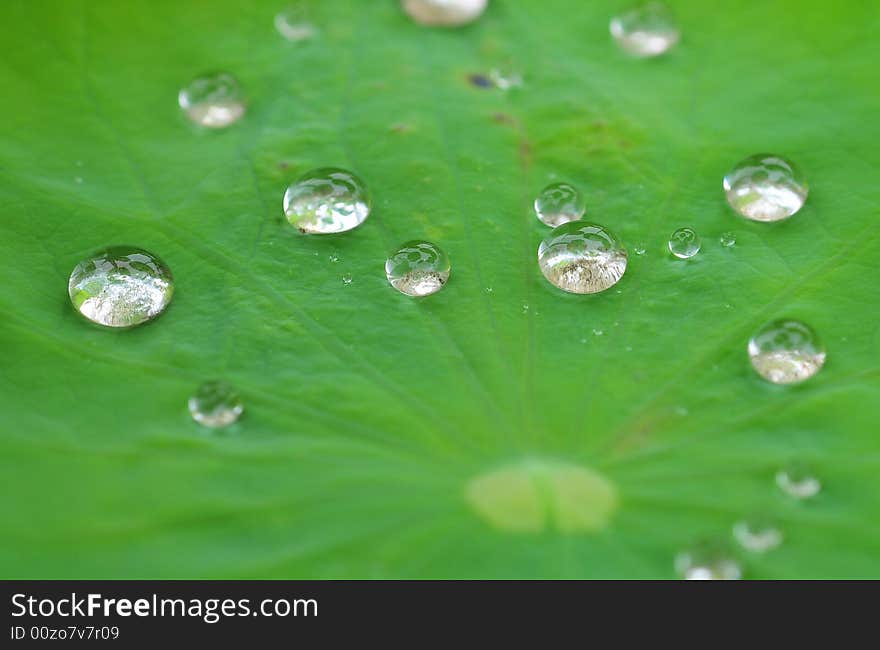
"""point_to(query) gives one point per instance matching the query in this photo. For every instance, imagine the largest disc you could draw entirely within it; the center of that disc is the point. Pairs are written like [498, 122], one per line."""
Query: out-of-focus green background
[374, 422]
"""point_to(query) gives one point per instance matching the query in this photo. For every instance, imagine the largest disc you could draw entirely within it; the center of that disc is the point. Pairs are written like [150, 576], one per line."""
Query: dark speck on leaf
[480, 81]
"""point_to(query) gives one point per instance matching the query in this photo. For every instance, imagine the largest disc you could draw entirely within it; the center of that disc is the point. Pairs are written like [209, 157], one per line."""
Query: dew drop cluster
[125, 286]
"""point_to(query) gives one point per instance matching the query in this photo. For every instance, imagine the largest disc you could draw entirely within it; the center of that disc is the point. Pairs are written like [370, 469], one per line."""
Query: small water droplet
[649, 30]
[214, 101]
[78, 180]
[215, 404]
[597, 332]
[334, 258]
[489, 290]
[582, 257]
[765, 187]
[525, 309]
[346, 279]
[559, 203]
[291, 23]
[728, 239]
[798, 482]
[444, 13]
[418, 268]
[640, 249]
[684, 243]
[786, 352]
[505, 79]
[327, 200]
[707, 563]
[757, 536]
[121, 286]
[628, 348]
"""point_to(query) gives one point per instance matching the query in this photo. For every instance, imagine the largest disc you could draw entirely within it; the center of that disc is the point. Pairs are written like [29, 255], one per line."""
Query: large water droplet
[559, 203]
[707, 563]
[293, 25]
[798, 482]
[444, 13]
[215, 404]
[214, 100]
[649, 30]
[786, 352]
[765, 187]
[582, 257]
[684, 243]
[121, 286]
[418, 268]
[327, 200]
[757, 536]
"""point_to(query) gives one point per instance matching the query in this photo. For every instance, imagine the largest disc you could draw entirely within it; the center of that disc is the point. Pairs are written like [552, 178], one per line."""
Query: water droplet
[765, 187]
[505, 79]
[490, 290]
[559, 203]
[346, 279]
[327, 200]
[728, 239]
[757, 536]
[707, 563]
[646, 31]
[582, 257]
[684, 243]
[786, 352]
[798, 482]
[640, 249]
[215, 404]
[597, 332]
[525, 309]
[78, 180]
[214, 100]
[418, 268]
[121, 286]
[291, 23]
[334, 258]
[444, 13]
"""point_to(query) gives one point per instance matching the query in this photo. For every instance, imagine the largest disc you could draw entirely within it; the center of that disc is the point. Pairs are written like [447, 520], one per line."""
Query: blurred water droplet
[291, 23]
[582, 257]
[121, 286]
[215, 404]
[707, 563]
[334, 257]
[798, 482]
[78, 180]
[444, 13]
[418, 268]
[640, 249]
[489, 290]
[559, 203]
[684, 243]
[728, 239]
[505, 79]
[786, 352]
[597, 332]
[757, 536]
[346, 279]
[765, 187]
[649, 30]
[214, 101]
[327, 200]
